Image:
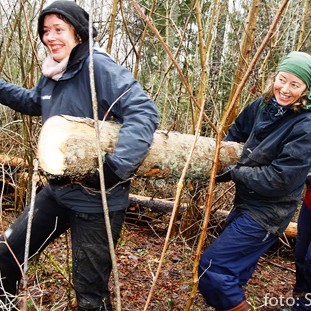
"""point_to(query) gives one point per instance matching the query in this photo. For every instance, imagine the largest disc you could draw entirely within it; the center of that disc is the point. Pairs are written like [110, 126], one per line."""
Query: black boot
[106, 306]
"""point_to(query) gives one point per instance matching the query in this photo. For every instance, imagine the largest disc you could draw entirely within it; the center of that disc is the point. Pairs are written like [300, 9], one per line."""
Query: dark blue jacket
[275, 160]
[71, 95]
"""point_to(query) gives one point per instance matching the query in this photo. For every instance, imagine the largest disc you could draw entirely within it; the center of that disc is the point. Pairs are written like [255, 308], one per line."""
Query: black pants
[90, 250]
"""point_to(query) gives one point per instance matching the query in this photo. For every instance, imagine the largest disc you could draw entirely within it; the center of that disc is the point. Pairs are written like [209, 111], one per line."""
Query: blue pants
[228, 263]
[303, 260]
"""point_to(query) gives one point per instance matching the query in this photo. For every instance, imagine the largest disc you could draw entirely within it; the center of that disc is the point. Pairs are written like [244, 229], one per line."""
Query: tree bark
[245, 55]
[67, 146]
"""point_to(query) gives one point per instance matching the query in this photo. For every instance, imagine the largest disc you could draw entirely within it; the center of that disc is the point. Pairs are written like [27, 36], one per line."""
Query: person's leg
[230, 260]
[91, 258]
[302, 248]
[302, 288]
[49, 221]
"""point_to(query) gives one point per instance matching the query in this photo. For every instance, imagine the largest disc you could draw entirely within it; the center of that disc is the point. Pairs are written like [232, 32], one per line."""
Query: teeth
[284, 96]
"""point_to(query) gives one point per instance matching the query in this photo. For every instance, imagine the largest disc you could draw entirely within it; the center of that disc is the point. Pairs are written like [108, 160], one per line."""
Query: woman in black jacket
[64, 88]
[269, 179]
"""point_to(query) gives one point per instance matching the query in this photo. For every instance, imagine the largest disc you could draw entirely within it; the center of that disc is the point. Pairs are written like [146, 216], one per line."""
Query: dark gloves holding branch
[224, 175]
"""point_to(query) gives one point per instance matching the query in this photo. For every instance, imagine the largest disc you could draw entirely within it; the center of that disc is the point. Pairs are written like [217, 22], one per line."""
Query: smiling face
[287, 88]
[59, 37]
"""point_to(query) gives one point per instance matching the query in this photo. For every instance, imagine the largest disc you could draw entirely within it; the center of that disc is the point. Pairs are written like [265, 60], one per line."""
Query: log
[67, 146]
[13, 161]
[166, 206]
[154, 204]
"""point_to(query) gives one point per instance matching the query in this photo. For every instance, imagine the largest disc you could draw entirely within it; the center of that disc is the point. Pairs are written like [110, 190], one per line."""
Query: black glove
[225, 174]
[111, 178]
[308, 179]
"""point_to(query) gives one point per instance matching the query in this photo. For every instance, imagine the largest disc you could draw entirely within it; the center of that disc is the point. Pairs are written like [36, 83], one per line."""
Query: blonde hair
[268, 94]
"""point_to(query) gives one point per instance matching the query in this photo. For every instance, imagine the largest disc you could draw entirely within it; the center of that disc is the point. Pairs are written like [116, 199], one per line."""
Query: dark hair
[73, 14]
[63, 18]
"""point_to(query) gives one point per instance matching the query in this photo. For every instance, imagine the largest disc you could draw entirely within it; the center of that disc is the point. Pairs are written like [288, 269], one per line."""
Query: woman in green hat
[269, 178]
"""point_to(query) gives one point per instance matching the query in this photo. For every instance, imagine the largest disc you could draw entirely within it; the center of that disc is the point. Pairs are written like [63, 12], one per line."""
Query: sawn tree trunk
[67, 146]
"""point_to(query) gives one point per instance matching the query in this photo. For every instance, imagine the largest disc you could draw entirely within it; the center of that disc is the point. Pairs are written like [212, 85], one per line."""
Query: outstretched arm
[20, 99]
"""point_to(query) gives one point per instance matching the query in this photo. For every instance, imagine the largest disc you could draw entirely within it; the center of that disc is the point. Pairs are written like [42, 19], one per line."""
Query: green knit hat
[299, 64]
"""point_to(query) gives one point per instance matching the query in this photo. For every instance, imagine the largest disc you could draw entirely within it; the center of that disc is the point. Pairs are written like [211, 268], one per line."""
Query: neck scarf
[53, 69]
[280, 110]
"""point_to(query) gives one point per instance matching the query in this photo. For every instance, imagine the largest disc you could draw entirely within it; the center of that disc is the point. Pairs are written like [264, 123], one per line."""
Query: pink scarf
[53, 69]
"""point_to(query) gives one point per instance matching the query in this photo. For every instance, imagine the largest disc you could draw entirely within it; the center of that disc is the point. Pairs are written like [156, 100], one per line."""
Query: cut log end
[52, 158]
[64, 146]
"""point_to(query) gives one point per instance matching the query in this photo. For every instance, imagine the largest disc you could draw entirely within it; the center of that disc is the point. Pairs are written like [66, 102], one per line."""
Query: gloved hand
[111, 179]
[224, 175]
[308, 179]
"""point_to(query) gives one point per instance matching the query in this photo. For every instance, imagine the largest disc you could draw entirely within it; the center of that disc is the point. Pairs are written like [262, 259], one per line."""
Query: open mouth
[55, 49]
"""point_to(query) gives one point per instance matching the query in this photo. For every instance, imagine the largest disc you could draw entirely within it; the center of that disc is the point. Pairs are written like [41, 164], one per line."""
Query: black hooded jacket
[116, 90]
[275, 160]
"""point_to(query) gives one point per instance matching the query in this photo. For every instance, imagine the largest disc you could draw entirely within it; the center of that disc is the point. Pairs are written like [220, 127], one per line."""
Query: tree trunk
[67, 146]
[114, 12]
[243, 62]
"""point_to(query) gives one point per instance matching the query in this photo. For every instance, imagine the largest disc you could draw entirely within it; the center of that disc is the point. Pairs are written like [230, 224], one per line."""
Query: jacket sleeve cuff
[121, 173]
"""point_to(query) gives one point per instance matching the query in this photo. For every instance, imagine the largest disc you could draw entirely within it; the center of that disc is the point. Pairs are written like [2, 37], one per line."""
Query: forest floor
[138, 254]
